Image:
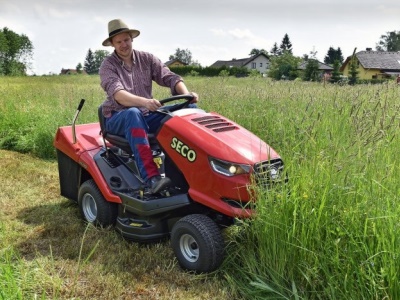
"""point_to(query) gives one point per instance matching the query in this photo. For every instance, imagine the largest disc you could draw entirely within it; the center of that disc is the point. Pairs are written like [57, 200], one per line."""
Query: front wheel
[94, 208]
[197, 243]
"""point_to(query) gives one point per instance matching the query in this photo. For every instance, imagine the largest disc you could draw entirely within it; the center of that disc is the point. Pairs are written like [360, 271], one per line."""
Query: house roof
[236, 62]
[384, 61]
[175, 60]
[233, 63]
[321, 66]
[71, 71]
[66, 71]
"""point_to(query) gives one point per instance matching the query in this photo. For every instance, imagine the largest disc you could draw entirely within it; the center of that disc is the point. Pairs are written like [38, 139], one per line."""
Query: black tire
[94, 208]
[197, 243]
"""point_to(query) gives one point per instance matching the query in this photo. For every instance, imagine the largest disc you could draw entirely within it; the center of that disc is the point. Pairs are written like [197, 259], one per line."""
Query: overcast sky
[62, 31]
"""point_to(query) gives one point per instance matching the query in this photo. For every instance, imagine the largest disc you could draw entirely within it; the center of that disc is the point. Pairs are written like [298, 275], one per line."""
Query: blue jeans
[134, 126]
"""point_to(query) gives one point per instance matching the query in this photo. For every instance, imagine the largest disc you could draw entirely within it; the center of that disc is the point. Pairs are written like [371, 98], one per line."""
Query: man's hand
[181, 89]
[152, 104]
[195, 97]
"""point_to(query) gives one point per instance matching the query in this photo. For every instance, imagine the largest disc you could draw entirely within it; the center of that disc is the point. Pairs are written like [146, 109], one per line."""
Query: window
[260, 65]
[253, 65]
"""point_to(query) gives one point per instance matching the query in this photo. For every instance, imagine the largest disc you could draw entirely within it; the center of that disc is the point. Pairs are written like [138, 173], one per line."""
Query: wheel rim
[189, 248]
[89, 208]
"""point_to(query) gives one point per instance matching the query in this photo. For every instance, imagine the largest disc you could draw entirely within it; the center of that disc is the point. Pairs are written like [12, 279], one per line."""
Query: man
[126, 77]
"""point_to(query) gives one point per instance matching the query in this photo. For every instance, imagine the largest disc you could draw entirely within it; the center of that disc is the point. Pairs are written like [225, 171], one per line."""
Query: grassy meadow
[333, 232]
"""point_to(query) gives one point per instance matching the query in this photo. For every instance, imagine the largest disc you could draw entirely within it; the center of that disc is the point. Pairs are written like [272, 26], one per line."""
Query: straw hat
[117, 26]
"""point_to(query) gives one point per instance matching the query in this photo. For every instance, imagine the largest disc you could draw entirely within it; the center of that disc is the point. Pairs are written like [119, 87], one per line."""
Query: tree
[311, 72]
[284, 66]
[93, 61]
[275, 50]
[286, 45]
[312, 55]
[184, 56]
[335, 72]
[255, 51]
[333, 55]
[195, 63]
[389, 42]
[15, 53]
[99, 56]
[79, 68]
[3, 50]
[353, 68]
[90, 64]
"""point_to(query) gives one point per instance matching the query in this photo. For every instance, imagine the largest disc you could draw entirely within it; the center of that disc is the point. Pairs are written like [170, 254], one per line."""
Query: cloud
[241, 34]
[45, 13]
[218, 32]
[62, 31]
[244, 35]
[11, 8]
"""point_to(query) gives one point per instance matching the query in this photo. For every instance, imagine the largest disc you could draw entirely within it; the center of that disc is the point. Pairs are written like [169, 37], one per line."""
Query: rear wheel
[197, 243]
[94, 208]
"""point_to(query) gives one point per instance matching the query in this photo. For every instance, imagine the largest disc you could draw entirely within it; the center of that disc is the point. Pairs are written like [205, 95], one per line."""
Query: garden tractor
[214, 165]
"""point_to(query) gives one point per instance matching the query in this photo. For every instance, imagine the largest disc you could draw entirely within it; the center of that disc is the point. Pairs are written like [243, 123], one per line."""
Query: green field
[333, 232]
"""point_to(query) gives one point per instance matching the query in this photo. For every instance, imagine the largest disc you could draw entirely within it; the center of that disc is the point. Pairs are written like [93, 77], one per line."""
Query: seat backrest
[116, 140]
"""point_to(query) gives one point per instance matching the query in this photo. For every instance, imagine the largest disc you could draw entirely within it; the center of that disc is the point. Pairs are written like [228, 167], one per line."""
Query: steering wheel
[187, 97]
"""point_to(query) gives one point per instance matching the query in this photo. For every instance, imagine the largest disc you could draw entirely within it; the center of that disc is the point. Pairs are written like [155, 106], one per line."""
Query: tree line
[284, 65]
[16, 51]
[92, 62]
[16, 54]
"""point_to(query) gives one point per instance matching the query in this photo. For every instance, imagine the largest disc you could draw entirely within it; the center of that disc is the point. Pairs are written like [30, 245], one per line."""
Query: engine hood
[219, 137]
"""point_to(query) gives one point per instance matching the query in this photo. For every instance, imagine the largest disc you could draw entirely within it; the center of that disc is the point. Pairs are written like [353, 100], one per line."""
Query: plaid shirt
[146, 68]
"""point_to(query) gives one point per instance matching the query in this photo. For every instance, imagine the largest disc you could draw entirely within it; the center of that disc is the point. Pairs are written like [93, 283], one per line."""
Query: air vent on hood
[215, 123]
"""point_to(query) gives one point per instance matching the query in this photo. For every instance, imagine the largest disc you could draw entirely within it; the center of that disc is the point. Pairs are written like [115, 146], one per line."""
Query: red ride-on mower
[212, 163]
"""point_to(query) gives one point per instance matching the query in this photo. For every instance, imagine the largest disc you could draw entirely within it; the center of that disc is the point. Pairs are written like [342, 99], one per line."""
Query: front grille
[269, 172]
[215, 123]
[240, 204]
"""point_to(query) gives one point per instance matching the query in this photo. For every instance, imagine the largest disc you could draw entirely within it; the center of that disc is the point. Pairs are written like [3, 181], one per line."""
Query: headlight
[228, 168]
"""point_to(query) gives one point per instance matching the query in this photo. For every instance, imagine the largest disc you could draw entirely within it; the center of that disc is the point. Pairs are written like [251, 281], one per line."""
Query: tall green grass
[333, 232]
[31, 109]
[9, 276]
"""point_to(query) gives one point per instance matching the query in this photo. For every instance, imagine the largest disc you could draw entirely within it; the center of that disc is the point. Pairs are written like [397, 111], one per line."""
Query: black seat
[117, 140]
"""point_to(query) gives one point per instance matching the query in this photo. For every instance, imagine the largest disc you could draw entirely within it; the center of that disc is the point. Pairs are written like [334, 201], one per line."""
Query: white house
[259, 62]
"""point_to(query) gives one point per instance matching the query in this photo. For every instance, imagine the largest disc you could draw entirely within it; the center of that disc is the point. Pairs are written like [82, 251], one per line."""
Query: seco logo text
[183, 149]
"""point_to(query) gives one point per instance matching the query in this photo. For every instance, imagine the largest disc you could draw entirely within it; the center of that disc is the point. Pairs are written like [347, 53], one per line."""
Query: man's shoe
[158, 183]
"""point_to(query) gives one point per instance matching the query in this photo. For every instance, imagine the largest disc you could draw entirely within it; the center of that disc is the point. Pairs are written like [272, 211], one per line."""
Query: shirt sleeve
[110, 80]
[163, 76]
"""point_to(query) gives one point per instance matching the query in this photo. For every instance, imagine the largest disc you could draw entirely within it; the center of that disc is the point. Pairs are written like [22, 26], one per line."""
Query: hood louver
[215, 123]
